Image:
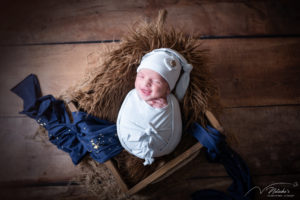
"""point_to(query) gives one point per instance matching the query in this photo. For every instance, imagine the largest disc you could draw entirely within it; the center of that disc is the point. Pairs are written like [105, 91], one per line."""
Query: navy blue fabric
[219, 151]
[32, 92]
[86, 134]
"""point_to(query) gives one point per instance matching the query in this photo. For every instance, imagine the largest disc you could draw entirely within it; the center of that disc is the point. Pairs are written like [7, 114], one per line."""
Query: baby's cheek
[136, 83]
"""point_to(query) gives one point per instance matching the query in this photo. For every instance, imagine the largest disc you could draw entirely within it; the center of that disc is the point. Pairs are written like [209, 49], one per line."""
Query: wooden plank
[57, 21]
[268, 142]
[40, 58]
[168, 168]
[272, 129]
[57, 66]
[248, 72]
[255, 72]
[165, 168]
[213, 121]
[180, 188]
[109, 164]
[268, 137]
[25, 157]
[74, 192]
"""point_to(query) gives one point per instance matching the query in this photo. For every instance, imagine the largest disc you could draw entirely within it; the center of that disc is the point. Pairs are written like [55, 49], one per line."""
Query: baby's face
[150, 85]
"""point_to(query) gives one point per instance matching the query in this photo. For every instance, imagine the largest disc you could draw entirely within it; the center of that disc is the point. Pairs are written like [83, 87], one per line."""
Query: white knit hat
[168, 63]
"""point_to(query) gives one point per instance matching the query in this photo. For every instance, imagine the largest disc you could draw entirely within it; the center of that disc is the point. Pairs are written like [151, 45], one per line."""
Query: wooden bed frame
[168, 168]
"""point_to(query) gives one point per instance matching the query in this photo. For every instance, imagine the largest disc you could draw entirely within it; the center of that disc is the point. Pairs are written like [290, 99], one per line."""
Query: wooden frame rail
[167, 168]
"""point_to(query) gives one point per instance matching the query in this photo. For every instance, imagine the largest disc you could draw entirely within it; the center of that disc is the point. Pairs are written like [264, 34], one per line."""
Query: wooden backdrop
[255, 54]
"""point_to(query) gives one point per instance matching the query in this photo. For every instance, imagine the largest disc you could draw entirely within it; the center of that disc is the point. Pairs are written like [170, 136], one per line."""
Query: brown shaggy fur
[104, 92]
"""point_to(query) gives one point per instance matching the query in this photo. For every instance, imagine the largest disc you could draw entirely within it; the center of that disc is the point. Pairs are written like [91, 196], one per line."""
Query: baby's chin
[145, 97]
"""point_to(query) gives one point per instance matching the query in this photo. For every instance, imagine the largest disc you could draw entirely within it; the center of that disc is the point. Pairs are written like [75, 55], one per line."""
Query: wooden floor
[255, 54]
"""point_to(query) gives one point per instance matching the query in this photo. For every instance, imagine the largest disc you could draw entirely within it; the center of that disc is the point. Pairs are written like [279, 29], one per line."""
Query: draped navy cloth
[219, 151]
[86, 134]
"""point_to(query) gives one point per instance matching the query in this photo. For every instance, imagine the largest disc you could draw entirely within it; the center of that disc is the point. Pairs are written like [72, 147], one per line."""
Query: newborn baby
[149, 121]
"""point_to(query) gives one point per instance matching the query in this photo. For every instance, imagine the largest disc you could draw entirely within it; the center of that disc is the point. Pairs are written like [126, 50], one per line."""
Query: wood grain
[57, 66]
[247, 74]
[165, 168]
[182, 188]
[65, 21]
[255, 67]
[73, 192]
[268, 137]
[256, 72]
[267, 141]
[27, 157]
[176, 189]
[258, 79]
[265, 134]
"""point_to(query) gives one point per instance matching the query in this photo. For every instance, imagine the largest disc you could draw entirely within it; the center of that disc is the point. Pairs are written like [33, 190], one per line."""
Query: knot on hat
[188, 68]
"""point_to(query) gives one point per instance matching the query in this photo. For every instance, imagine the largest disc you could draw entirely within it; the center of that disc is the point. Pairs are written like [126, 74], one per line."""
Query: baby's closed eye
[157, 81]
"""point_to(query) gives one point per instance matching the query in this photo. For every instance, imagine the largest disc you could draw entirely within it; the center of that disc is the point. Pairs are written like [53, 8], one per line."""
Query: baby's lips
[146, 92]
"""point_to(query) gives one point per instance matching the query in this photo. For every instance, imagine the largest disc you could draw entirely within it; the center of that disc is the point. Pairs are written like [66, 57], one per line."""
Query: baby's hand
[158, 103]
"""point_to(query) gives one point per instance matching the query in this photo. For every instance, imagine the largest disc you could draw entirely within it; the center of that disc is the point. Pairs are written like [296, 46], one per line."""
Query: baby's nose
[147, 83]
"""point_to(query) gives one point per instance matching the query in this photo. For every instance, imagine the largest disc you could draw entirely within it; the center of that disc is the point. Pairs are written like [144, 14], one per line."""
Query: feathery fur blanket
[104, 88]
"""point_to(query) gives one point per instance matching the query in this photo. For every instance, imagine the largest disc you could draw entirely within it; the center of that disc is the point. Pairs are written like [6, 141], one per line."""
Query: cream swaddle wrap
[146, 131]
